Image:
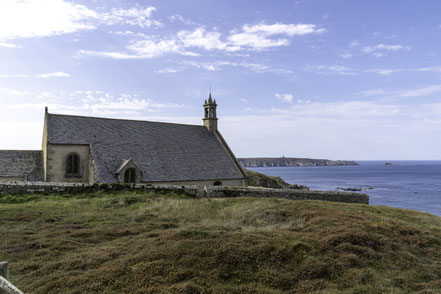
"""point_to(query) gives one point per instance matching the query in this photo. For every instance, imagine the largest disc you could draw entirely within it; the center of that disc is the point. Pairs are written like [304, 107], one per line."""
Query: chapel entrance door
[130, 176]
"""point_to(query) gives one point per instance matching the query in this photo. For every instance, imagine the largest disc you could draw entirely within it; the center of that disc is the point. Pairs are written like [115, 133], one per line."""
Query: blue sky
[321, 79]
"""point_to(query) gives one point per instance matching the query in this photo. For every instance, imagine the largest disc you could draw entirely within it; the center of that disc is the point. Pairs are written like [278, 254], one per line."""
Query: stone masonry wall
[292, 194]
[192, 191]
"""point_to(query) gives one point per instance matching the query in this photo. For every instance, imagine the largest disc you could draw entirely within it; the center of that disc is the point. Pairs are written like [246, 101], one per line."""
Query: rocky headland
[290, 161]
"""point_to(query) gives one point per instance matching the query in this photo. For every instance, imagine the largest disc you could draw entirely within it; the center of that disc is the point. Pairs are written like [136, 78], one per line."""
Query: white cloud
[57, 74]
[257, 37]
[13, 92]
[185, 42]
[436, 69]
[255, 41]
[384, 47]
[282, 29]
[330, 69]
[129, 33]
[14, 76]
[243, 100]
[354, 43]
[415, 92]
[384, 72]
[346, 55]
[372, 92]
[36, 18]
[33, 18]
[218, 65]
[284, 97]
[89, 102]
[168, 70]
[132, 16]
[115, 55]
[423, 91]
[8, 45]
[200, 38]
[341, 109]
[181, 19]
[151, 49]
[42, 76]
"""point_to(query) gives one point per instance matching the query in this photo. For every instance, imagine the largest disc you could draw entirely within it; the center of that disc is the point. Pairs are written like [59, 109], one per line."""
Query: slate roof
[163, 151]
[22, 163]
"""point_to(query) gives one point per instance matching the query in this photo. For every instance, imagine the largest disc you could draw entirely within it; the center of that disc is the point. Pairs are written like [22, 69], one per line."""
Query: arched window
[217, 183]
[73, 165]
[130, 175]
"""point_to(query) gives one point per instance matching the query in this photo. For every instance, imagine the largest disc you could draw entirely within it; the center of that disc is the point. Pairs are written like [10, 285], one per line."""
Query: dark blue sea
[404, 184]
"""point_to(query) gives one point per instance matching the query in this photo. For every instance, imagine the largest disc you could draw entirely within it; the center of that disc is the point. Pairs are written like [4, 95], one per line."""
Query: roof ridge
[125, 119]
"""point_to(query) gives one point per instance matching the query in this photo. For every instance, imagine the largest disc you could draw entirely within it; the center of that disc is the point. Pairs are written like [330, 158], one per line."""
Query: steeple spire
[210, 100]
[210, 117]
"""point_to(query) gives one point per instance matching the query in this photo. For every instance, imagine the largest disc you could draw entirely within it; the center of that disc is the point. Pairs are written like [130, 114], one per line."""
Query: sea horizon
[408, 184]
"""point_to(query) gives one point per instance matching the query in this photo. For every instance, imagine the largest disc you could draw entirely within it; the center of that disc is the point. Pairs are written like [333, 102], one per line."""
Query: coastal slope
[145, 242]
[291, 161]
[256, 179]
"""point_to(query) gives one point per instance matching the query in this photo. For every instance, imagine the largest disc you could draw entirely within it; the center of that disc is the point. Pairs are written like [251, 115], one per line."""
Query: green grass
[131, 242]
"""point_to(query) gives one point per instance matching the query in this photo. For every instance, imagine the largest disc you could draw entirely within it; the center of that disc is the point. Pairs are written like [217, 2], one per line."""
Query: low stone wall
[74, 188]
[192, 191]
[293, 194]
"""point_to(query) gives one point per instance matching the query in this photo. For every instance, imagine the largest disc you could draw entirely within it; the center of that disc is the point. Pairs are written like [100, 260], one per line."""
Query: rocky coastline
[287, 161]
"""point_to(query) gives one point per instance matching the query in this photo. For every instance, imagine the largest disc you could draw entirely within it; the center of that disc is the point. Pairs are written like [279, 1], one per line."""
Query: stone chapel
[80, 149]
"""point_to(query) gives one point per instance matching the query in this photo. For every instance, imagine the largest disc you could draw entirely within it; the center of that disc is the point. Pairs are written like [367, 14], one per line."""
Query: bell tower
[210, 117]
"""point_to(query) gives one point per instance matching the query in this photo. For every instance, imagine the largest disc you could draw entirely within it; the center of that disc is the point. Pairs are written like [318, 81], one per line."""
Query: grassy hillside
[149, 243]
[261, 180]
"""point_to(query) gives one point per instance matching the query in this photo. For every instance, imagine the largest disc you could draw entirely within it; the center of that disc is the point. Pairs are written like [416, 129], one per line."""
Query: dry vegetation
[147, 243]
[261, 180]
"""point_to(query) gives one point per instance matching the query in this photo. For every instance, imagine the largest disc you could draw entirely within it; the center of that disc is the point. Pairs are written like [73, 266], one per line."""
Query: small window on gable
[130, 176]
[217, 183]
[73, 165]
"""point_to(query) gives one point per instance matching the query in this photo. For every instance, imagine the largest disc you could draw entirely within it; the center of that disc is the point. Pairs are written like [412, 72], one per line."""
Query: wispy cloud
[346, 55]
[14, 76]
[8, 45]
[219, 65]
[435, 69]
[284, 97]
[89, 102]
[35, 18]
[180, 18]
[372, 92]
[58, 74]
[423, 91]
[330, 69]
[114, 55]
[415, 92]
[132, 16]
[192, 42]
[258, 37]
[380, 49]
[383, 71]
[168, 70]
[41, 76]
[340, 109]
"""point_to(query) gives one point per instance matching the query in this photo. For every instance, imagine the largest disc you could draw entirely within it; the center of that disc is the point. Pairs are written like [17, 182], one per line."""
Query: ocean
[404, 184]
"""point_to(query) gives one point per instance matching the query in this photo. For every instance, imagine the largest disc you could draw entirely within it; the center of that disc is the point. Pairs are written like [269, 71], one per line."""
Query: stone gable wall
[56, 163]
[192, 191]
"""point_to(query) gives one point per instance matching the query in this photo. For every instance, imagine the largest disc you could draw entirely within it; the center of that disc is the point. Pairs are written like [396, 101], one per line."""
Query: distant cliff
[286, 161]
